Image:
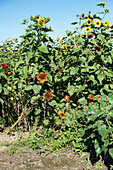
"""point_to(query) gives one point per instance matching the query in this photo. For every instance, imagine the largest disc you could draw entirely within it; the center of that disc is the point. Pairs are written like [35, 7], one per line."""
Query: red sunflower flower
[47, 95]
[66, 98]
[3, 65]
[92, 104]
[97, 48]
[61, 68]
[6, 67]
[99, 96]
[62, 115]
[42, 77]
[91, 96]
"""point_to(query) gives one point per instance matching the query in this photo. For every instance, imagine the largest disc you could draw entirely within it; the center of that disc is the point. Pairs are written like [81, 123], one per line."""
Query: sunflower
[90, 35]
[11, 40]
[58, 38]
[97, 23]
[87, 29]
[88, 21]
[91, 96]
[106, 23]
[62, 115]
[42, 77]
[47, 95]
[61, 68]
[82, 16]
[97, 48]
[66, 98]
[3, 65]
[41, 19]
[9, 47]
[108, 27]
[6, 67]
[112, 26]
[61, 41]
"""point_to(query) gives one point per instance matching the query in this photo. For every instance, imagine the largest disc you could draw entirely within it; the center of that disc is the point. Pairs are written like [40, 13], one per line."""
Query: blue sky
[61, 13]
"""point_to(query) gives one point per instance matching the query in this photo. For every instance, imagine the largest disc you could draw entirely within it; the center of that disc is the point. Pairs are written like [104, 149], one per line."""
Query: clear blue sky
[61, 13]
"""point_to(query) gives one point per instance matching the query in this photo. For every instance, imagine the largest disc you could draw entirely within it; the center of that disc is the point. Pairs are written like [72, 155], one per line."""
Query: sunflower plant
[61, 86]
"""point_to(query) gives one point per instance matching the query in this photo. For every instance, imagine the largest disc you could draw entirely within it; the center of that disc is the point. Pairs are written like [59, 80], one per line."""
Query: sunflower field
[61, 90]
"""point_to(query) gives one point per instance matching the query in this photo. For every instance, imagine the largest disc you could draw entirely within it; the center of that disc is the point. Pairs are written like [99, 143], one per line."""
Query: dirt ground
[28, 159]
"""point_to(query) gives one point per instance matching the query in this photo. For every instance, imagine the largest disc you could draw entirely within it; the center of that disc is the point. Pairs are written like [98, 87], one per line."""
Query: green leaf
[82, 100]
[53, 103]
[101, 77]
[43, 49]
[36, 88]
[97, 147]
[71, 90]
[29, 88]
[102, 131]
[0, 88]
[37, 112]
[74, 70]
[111, 152]
[18, 63]
[5, 90]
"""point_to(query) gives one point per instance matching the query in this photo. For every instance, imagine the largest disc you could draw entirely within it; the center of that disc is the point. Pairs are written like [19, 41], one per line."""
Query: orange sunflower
[62, 115]
[91, 96]
[97, 48]
[66, 98]
[42, 77]
[48, 95]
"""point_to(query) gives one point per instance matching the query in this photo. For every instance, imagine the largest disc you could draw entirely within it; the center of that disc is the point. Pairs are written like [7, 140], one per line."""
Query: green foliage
[50, 84]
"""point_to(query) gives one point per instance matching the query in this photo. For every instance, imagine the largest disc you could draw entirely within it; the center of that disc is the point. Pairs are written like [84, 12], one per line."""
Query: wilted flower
[90, 35]
[97, 48]
[48, 95]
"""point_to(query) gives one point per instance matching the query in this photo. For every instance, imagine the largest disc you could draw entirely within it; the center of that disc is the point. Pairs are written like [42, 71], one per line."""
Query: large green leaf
[74, 70]
[43, 49]
[36, 88]
[101, 77]
[111, 152]
[0, 88]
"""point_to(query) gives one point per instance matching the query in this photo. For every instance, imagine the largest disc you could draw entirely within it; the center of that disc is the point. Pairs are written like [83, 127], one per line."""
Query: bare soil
[26, 159]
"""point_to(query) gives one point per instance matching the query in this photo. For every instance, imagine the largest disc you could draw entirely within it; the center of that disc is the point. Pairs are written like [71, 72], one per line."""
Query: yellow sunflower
[106, 23]
[41, 19]
[82, 16]
[87, 29]
[108, 27]
[112, 26]
[97, 23]
[58, 38]
[88, 21]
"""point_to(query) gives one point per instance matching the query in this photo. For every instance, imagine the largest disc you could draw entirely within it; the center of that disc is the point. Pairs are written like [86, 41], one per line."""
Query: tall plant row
[62, 83]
